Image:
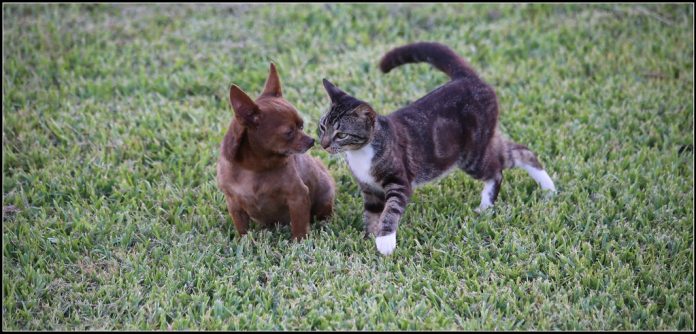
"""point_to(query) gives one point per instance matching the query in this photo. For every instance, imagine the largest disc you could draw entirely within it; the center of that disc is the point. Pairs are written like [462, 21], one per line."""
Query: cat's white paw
[548, 193]
[549, 187]
[481, 208]
[541, 177]
[487, 196]
[386, 244]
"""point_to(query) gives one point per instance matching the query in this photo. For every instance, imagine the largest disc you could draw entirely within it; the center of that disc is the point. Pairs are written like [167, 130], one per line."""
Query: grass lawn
[112, 116]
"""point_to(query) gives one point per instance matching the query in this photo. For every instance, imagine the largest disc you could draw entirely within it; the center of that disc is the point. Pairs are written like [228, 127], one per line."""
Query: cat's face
[349, 123]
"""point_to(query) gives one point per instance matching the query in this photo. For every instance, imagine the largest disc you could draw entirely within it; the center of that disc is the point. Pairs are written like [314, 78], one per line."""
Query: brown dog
[263, 168]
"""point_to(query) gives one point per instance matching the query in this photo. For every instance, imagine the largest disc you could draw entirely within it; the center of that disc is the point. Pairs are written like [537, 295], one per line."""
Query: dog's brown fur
[263, 168]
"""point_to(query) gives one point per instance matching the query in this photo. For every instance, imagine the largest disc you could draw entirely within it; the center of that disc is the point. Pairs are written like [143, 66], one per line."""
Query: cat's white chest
[360, 163]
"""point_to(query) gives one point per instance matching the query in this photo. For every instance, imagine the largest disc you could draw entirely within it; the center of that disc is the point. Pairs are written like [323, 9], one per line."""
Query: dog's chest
[261, 196]
[360, 163]
[251, 189]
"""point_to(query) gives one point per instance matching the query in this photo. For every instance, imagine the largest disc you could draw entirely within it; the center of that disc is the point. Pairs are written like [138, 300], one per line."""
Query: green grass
[112, 118]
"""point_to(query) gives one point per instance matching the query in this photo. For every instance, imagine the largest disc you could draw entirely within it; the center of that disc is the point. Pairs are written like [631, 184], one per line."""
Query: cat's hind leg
[520, 156]
[491, 188]
[489, 169]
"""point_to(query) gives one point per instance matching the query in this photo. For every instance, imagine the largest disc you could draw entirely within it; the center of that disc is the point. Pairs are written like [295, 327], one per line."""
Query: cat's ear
[334, 92]
[272, 87]
[365, 111]
[245, 110]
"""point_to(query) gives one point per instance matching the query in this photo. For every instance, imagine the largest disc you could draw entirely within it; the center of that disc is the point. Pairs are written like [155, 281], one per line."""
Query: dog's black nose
[312, 142]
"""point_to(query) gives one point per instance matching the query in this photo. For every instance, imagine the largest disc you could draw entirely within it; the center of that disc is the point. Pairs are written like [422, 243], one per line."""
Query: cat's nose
[325, 142]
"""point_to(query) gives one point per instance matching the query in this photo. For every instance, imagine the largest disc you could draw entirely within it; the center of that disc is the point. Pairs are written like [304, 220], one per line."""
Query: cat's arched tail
[438, 55]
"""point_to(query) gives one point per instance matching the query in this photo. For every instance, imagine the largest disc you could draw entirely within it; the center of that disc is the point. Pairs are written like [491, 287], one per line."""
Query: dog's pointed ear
[233, 139]
[245, 110]
[272, 87]
[334, 92]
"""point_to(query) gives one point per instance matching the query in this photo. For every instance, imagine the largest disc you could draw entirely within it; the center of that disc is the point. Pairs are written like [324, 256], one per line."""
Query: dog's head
[271, 124]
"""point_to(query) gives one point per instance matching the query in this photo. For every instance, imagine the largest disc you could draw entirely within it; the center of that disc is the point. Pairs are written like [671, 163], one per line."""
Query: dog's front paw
[386, 244]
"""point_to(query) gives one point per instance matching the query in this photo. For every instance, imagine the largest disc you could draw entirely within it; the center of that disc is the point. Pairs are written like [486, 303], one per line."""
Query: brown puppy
[263, 168]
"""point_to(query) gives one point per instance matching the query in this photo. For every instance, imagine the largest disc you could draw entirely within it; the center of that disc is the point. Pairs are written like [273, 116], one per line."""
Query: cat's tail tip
[384, 65]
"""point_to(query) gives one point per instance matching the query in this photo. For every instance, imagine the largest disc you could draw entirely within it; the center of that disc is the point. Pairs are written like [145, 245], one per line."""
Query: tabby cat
[455, 125]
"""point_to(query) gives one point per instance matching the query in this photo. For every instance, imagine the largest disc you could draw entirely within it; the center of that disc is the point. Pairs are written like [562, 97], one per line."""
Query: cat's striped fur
[454, 126]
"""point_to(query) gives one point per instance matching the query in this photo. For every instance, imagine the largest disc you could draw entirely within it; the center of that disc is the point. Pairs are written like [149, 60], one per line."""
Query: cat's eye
[342, 135]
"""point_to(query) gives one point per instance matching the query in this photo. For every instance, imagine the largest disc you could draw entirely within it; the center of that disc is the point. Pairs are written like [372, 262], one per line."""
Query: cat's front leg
[373, 207]
[397, 196]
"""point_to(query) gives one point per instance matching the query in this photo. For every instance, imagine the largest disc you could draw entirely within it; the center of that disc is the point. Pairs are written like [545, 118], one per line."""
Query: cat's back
[471, 97]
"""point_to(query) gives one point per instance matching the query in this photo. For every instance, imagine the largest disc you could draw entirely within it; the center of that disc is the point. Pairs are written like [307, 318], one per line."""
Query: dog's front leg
[239, 217]
[300, 211]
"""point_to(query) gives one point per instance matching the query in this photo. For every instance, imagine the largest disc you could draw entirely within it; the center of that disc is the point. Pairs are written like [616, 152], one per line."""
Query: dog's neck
[250, 157]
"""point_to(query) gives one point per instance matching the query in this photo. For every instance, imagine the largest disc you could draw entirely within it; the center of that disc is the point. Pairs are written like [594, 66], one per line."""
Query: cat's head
[349, 123]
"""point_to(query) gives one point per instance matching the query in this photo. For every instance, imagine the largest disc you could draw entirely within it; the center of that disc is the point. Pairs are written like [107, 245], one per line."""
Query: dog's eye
[342, 135]
[289, 133]
[301, 127]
